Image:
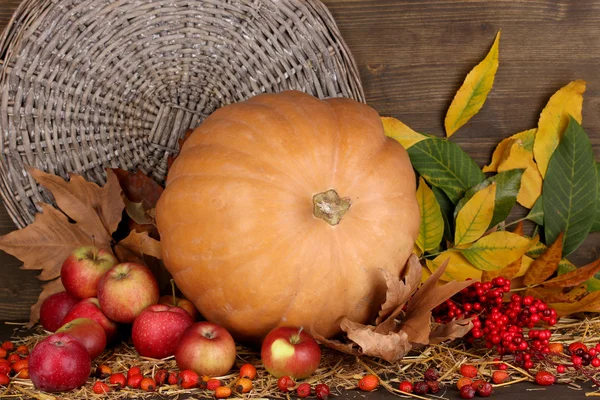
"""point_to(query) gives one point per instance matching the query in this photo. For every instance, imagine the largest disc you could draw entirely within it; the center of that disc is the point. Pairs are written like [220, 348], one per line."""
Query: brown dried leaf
[546, 264]
[391, 346]
[575, 277]
[452, 330]
[139, 188]
[417, 321]
[98, 210]
[346, 348]
[519, 229]
[577, 293]
[138, 244]
[48, 241]
[549, 295]
[48, 290]
[138, 213]
[590, 303]
[509, 272]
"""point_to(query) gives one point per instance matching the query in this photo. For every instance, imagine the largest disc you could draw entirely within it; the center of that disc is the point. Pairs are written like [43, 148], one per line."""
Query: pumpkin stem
[330, 207]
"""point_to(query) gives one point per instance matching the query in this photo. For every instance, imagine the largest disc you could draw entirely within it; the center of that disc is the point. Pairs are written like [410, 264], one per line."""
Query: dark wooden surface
[413, 56]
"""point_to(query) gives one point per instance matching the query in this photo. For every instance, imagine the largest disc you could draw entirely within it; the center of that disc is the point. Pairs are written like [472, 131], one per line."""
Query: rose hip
[303, 390]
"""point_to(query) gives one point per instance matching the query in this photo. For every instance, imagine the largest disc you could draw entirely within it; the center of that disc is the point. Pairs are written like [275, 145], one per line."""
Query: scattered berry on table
[468, 371]
[160, 377]
[368, 383]
[22, 350]
[134, 381]
[173, 378]
[483, 389]
[431, 375]
[8, 345]
[434, 387]
[467, 392]
[248, 371]
[544, 378]
[406, 387]
[148, 385]
[222, 392]
[100, 387]
[285, 383]
[3, 353]
[560, 369]
[103, 371]
[4, 379]
[118, 379]
[303, 390]
[464, 381]
[499, 377]
[188, 379]
[420, 388]
[213, 383]
[243, 385]
[133, 371]
[322, 391]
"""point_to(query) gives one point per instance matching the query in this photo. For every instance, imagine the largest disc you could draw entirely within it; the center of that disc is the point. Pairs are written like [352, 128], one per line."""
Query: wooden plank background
[413, 56]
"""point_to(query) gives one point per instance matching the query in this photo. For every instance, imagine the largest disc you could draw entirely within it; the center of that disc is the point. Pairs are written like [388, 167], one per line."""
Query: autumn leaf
[138, 244]
[390, 346]
[431, 229]
[526, 262]
[497, 250]
[458, 268]
[502, 151]
[549, 295]
[554, 120]
[139, 187]
[590, 303]
[396, 130]
[472, 94]
[576, 277]
[508, 272]
[452, 330]
[48, 290]
[475, 217]
[545, 265]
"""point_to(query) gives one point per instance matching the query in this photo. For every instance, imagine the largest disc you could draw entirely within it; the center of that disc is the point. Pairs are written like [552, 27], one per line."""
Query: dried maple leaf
[575, 277]
[138, 187]
[546, 264]
[138, 245]
[390, 346]
[48, 290]
[452, 330]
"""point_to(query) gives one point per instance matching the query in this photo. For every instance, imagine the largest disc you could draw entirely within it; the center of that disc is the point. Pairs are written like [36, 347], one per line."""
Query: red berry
[499, 377]
[248, 371]
[595, 362]
[222, 392]
[8, 345]
[213, 383]
[592, 351]
[148, 385]
[188, 379]
[5, 367]
[133, 371]
[431, 375]
[368, 383]
[134, 381]
[469, 371]
[573, 347]
[284, 383]
[483, 388]
[434, 386]
[243, 385]
[322, 391]
[303, 390]
[160, 377]
[100, 387]
[406, 387]
[173, 378]
[544, 378]
[420, 388]
[13, 358]
[467, 392]
[3, 353]
[118, 379]
[560, 369]
[4, 379]
[577, 361]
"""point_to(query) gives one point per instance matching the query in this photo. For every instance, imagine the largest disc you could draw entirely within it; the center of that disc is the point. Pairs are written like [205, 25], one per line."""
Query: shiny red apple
[157, 329]
[207, 349]
[59, 363]
[180, 302]
[82, 270]
[90, 308]
[290, 351]
[88, 332]
[125, 290]
[54, 309]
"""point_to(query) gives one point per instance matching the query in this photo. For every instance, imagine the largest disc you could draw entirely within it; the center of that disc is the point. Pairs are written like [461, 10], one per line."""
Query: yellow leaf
[417, 251]
[520, 155]
[459, 268]
[554, 119]
[497, 250]
[472, 94]
[474, 218]
[395, 129]
[500, 154]
[432, 223]
[525, 264]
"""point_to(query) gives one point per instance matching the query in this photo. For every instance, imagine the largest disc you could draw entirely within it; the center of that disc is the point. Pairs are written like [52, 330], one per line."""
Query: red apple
[207, 349]
[82, 270]
[88, 332]
[59, 363]
[90, 308]
[54, 309]
[125, 290]
[290, 351]
[157, 329]
[180, 302]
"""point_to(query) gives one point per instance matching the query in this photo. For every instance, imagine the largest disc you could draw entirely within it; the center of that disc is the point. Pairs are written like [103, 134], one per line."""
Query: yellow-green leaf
[502, 151]
[397, 130]
[472, 94]
[554, 120]
[432, 223]
[497, 250]
[459, 268]
[474, 218]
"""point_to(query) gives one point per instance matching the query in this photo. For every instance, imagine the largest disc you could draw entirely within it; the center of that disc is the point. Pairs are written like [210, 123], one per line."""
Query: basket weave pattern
[90, 84]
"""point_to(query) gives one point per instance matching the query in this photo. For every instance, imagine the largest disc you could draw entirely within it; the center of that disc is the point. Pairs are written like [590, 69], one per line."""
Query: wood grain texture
[414, 54]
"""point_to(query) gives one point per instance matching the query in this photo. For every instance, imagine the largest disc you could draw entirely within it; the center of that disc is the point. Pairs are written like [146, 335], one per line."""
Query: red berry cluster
[501, 324]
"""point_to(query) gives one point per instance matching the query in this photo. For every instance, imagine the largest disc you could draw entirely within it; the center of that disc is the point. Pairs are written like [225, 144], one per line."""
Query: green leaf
[596, 223]
[570, 189]
[593, 284]
[431, 229]
[447, 209]
[445, 165]
[507, 188]
[496, 250]
[536, 214]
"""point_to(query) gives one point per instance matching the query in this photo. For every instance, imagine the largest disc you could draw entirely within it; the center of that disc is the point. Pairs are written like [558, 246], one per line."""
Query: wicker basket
[89, 84]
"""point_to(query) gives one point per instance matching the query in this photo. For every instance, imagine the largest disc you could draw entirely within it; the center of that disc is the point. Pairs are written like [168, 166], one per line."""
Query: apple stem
[173, 292]
[94, 252]
[300, 330]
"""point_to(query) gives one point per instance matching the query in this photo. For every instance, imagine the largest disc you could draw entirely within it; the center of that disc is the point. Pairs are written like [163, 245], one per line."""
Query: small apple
[54, 309]
[90, 308]
[125, 290]
[290, 351]
[82, 270]
[89, 333]
[157, 329]
[180, 302]
[207, 349]
[59, 363]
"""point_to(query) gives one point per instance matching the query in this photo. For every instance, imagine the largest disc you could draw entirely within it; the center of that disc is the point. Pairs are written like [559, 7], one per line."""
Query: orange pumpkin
[280, 210]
